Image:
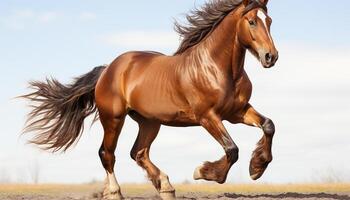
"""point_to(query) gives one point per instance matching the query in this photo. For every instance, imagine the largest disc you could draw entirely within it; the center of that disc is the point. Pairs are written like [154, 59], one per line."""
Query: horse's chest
[237, 97]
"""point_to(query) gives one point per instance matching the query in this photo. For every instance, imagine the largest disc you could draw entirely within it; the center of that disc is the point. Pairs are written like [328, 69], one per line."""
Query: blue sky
[306, 94]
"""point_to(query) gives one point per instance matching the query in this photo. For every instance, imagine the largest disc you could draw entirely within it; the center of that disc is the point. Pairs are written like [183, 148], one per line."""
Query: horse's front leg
[218, 170]
[262, 155]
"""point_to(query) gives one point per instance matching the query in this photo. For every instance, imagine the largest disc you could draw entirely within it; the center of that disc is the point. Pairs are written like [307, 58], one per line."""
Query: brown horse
[202, 84]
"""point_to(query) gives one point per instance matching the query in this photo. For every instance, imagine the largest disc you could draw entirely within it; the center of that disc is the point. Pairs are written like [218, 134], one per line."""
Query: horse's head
[254, 32]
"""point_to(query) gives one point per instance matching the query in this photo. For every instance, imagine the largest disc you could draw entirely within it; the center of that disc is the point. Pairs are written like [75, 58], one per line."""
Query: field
[184, 191]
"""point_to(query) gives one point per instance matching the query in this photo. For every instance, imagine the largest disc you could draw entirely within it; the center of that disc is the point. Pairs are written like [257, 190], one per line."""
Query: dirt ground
[193, 196]
[184, 192]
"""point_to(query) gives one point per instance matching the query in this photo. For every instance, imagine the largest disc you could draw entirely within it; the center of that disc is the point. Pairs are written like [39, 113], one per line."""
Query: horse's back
[110, 91]
[141, 81]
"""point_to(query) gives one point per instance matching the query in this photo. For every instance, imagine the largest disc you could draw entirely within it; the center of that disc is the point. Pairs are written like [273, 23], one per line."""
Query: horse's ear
[246, 2]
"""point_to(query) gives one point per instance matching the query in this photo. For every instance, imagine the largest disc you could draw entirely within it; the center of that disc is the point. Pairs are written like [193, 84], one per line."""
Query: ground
[184, 191]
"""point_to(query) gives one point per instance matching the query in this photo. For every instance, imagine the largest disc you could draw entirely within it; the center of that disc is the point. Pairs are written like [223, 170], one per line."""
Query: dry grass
[137, 189]
[20, 189]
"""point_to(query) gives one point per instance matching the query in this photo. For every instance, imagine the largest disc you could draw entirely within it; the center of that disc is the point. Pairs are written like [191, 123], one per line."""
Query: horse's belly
[160, 102]
[167, 114]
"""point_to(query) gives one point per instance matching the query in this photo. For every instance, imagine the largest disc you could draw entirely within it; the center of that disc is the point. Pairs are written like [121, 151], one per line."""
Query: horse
[202, 84]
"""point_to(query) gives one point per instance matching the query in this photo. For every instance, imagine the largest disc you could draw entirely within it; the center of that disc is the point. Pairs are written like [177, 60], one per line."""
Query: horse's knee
[141, 157]
[269, 127]
[101, 154]
[107, 159]
[232, 153]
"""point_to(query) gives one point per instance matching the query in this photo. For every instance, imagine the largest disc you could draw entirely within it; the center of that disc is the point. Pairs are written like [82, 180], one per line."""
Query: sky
[307, 93]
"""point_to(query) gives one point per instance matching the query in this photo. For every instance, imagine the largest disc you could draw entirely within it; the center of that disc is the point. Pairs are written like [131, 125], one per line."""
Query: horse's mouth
[266, 65]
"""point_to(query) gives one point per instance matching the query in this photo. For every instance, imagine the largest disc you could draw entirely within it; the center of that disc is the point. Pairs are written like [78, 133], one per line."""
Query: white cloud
[21, 19]
[143, 39]
[47, 17]
[16, 19]
[23, 14]
[305, 66]
[87, 16]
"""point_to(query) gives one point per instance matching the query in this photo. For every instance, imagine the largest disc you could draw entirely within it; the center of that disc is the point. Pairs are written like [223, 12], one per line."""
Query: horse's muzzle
[269, 59]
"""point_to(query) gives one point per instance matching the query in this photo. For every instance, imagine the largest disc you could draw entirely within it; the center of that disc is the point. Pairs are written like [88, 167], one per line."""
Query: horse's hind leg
[148, 131]
[112, 127]
[262, 155]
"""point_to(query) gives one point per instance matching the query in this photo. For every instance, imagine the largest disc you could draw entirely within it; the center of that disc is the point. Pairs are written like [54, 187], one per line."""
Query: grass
[137, 189]
[47, 189]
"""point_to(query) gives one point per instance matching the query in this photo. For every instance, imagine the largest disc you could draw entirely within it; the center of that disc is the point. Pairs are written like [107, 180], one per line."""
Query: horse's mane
[203, 21]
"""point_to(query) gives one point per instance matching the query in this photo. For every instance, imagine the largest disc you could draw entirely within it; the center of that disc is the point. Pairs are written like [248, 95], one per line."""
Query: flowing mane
[204, 20]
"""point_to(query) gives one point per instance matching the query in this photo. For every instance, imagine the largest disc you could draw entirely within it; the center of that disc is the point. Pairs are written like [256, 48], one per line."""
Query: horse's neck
[237, 59]
[222, 47]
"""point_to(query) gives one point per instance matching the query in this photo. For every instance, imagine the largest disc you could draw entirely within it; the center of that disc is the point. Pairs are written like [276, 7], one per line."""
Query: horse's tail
[58, 111]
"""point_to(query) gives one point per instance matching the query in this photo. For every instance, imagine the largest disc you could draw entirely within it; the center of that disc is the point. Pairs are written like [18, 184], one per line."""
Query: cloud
[47, 17]
[87, 16]
[143, 39]
[304, 66]
[23, 14]
[21, 19]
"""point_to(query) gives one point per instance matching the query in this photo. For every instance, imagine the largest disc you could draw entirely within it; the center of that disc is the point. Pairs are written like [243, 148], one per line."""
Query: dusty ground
[196, 191]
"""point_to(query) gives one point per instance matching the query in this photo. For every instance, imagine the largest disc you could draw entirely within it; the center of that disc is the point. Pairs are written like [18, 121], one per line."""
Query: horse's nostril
[268, 57]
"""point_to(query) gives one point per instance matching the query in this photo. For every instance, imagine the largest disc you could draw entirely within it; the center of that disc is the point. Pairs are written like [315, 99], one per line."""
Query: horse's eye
[252, 22]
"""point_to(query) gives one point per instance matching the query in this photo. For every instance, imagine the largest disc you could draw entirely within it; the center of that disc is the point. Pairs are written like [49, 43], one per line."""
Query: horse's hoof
[256, 171]
[256, 176]
[167, 195]
[197, 173]
[108, 195]
[116, 196]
